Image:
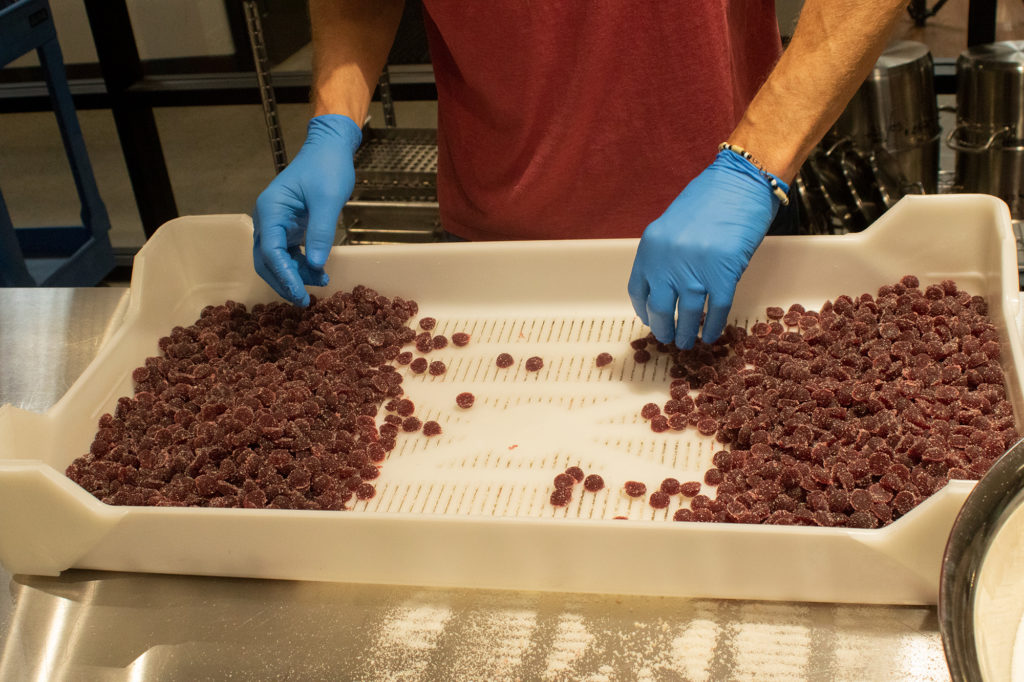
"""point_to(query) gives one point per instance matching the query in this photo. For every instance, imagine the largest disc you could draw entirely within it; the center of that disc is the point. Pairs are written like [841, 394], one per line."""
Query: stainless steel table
[89, 625]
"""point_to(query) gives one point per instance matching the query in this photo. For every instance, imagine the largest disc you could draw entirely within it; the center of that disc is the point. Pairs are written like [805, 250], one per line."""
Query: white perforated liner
[500, 456]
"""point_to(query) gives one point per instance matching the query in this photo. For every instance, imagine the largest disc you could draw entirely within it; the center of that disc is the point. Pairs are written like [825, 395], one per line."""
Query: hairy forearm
[834, 48]
[351, 39]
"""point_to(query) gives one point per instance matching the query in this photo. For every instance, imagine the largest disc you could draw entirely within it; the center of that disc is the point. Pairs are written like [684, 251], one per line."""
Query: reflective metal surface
[48, 336]
[988, 506]
[87, 625]
[990, 87]
[992, 171]
[395, 196]
[989, 133]
[895, 107]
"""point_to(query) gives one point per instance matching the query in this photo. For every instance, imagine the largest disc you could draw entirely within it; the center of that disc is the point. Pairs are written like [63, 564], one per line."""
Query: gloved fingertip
[289, 291]
[311, 276]
[297, 293]
[685, 336]
[710, 333]
[685, 342]
[709, 338]
[717, 317]
[317, 256]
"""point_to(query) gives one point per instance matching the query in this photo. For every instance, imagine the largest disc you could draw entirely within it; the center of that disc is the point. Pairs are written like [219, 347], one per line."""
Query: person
[561, 119]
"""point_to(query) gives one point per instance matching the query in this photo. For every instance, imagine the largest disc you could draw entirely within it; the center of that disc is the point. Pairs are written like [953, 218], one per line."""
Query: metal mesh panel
[395, 196]
[397, 157]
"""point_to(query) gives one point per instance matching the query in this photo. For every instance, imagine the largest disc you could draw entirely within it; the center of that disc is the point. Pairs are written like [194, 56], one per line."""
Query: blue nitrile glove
[300, 207]
[698, 249]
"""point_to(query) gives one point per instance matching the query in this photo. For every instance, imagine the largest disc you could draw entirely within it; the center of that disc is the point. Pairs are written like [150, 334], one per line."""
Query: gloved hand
[300, 207]
[698, 249]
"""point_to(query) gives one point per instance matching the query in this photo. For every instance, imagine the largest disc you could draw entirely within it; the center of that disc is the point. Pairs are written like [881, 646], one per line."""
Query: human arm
[351, 39]
[834, 47]
[698, 249]
[300, 207]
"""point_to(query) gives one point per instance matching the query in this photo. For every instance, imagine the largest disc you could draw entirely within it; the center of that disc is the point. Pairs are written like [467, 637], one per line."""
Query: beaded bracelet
[776, 190]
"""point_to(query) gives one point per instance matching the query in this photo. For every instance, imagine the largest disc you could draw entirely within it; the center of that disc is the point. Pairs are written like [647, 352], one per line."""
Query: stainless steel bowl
[985, 512]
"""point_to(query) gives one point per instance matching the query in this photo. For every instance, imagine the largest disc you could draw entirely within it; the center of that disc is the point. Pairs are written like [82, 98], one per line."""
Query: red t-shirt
[560, 119]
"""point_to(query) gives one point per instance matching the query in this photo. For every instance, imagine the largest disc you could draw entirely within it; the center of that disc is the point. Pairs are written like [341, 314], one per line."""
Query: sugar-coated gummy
[683, 515]
[634, 488]
[868, 396]
[561, 496]
[238, 402]
[659, 499]
[564, 481]
[670, 486]
[690, 488]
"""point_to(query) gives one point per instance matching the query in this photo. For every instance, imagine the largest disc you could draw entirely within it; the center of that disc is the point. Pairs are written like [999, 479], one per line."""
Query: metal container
[466, 509]
[980, 595]
[895, 109]
[989, 135]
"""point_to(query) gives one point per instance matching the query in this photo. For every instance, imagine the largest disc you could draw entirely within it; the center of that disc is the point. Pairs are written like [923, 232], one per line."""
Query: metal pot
[989, 134]
[895, 109]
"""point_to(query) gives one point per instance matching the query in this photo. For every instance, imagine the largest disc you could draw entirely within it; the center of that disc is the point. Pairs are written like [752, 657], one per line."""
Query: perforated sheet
[499, 457]
[397, 157]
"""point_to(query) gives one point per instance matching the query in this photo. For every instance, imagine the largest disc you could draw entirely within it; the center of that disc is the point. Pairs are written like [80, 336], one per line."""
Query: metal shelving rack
[132, 95]
[395, 197]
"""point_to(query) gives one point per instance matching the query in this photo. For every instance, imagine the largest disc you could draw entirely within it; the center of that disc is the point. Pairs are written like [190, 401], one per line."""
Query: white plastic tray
[469, 508]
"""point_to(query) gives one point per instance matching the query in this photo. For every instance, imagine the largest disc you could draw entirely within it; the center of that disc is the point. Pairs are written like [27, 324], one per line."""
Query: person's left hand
[698, 249]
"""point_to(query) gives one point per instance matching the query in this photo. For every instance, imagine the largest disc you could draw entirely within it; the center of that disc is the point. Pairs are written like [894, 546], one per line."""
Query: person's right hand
[300, 208]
